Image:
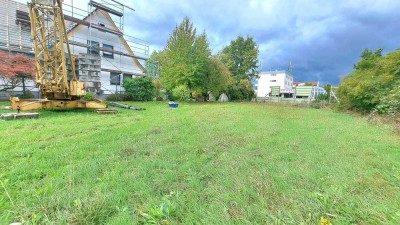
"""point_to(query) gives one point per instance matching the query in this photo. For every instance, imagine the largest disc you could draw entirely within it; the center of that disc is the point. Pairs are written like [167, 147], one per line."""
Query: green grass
[230, 163]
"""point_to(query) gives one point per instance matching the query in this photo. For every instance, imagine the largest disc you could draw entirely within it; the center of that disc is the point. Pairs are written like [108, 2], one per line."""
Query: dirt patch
[155, 130]
[235, 212]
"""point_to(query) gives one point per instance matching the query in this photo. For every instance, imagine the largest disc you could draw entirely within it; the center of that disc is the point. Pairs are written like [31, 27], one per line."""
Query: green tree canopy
[187, 69]
[185, 58]
[328, 87]
[368, 59]
[242, 90]
[375, 78]
[218, 78]
[241, 57]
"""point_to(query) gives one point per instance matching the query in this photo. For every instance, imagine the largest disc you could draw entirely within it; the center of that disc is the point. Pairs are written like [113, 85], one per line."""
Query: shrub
[390, 104]
[181, 93]
[243, 90]
[28, 95]
[89, 96]
[158, 90]
[140, 89]
[323, 97]
[372, 85]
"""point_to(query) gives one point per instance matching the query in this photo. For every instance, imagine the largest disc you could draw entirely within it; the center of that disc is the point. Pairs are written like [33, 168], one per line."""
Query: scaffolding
[15, 33]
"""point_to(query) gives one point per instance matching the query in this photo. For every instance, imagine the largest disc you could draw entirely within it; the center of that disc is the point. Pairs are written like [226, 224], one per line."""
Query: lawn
[235, 163]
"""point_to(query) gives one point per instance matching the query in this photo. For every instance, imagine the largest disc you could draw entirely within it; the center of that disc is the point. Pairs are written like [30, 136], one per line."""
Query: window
[126, 76]
[115, 79]
[25, 27]
[272, 81]
[107, 54]
[93, 47]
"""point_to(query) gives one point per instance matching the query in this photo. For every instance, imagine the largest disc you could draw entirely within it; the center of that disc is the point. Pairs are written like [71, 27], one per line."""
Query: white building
[97, 31]
[118, 62]
[268, 79]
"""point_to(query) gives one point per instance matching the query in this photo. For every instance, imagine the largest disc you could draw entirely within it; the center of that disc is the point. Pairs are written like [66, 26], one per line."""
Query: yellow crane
[55, 65]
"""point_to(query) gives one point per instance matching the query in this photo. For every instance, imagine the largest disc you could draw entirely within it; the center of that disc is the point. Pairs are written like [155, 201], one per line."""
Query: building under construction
[105, 54]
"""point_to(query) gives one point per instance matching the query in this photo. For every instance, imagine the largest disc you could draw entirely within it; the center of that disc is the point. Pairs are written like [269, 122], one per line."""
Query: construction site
[104, 53]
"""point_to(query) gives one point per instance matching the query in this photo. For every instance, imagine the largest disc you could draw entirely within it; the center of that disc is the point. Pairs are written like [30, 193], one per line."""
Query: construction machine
[55, 65]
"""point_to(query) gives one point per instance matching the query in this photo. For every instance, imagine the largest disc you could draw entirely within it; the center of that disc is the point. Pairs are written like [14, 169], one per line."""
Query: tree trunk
[23, 86]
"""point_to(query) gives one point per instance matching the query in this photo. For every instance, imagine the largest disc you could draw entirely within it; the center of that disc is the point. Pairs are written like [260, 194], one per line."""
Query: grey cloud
[322, 38]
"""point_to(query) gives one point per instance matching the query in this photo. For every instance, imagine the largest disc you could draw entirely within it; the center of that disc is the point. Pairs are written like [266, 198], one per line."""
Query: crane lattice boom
[52, 53]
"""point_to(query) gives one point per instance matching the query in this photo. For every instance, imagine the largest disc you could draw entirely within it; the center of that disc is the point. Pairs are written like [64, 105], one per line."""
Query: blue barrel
[173, 105]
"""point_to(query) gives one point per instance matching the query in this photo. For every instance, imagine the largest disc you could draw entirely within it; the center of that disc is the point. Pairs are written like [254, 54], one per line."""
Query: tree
[140, 89]
[218, 78]
[158, 89]
[184, 60]
[243, 90]
[327, 95]
[14, 69]
[372, 85]
[241, 57]
[328, 88]
[368, 59]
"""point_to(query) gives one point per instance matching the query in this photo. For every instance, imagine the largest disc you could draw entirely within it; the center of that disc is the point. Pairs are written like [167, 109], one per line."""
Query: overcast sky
[322, 38]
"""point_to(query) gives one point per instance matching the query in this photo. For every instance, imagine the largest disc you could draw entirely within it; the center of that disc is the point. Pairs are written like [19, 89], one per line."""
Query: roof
[313, 83]
[114, 27]
[275, 71]
[71, 25]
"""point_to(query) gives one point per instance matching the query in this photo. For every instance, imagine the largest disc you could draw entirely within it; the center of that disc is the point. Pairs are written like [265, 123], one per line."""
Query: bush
[372, 85]
[241, 91]
[89, 96]
[28, 95]
[158, 91]
[180, 93]
[390, 104]
[323, 97]
[140, 89]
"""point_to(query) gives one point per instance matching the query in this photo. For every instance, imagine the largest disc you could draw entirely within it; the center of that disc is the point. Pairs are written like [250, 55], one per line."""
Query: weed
[159, 214]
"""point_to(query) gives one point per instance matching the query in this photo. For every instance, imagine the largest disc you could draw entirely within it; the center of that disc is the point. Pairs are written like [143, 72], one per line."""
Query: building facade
[117, 60]
[279, 78]
[105, 55]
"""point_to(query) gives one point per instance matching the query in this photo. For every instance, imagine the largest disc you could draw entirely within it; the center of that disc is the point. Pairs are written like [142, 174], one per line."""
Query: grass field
[236, 163]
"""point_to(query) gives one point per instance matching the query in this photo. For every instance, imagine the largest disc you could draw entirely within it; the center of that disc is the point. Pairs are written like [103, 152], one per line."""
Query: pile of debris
[116, 104]
[14, 116]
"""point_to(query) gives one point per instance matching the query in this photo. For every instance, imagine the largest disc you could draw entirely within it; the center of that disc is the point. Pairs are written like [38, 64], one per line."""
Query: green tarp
[304, 91]
[275, 90]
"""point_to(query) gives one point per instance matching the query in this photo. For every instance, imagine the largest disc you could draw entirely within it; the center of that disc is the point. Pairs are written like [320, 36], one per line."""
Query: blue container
[173, 105]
